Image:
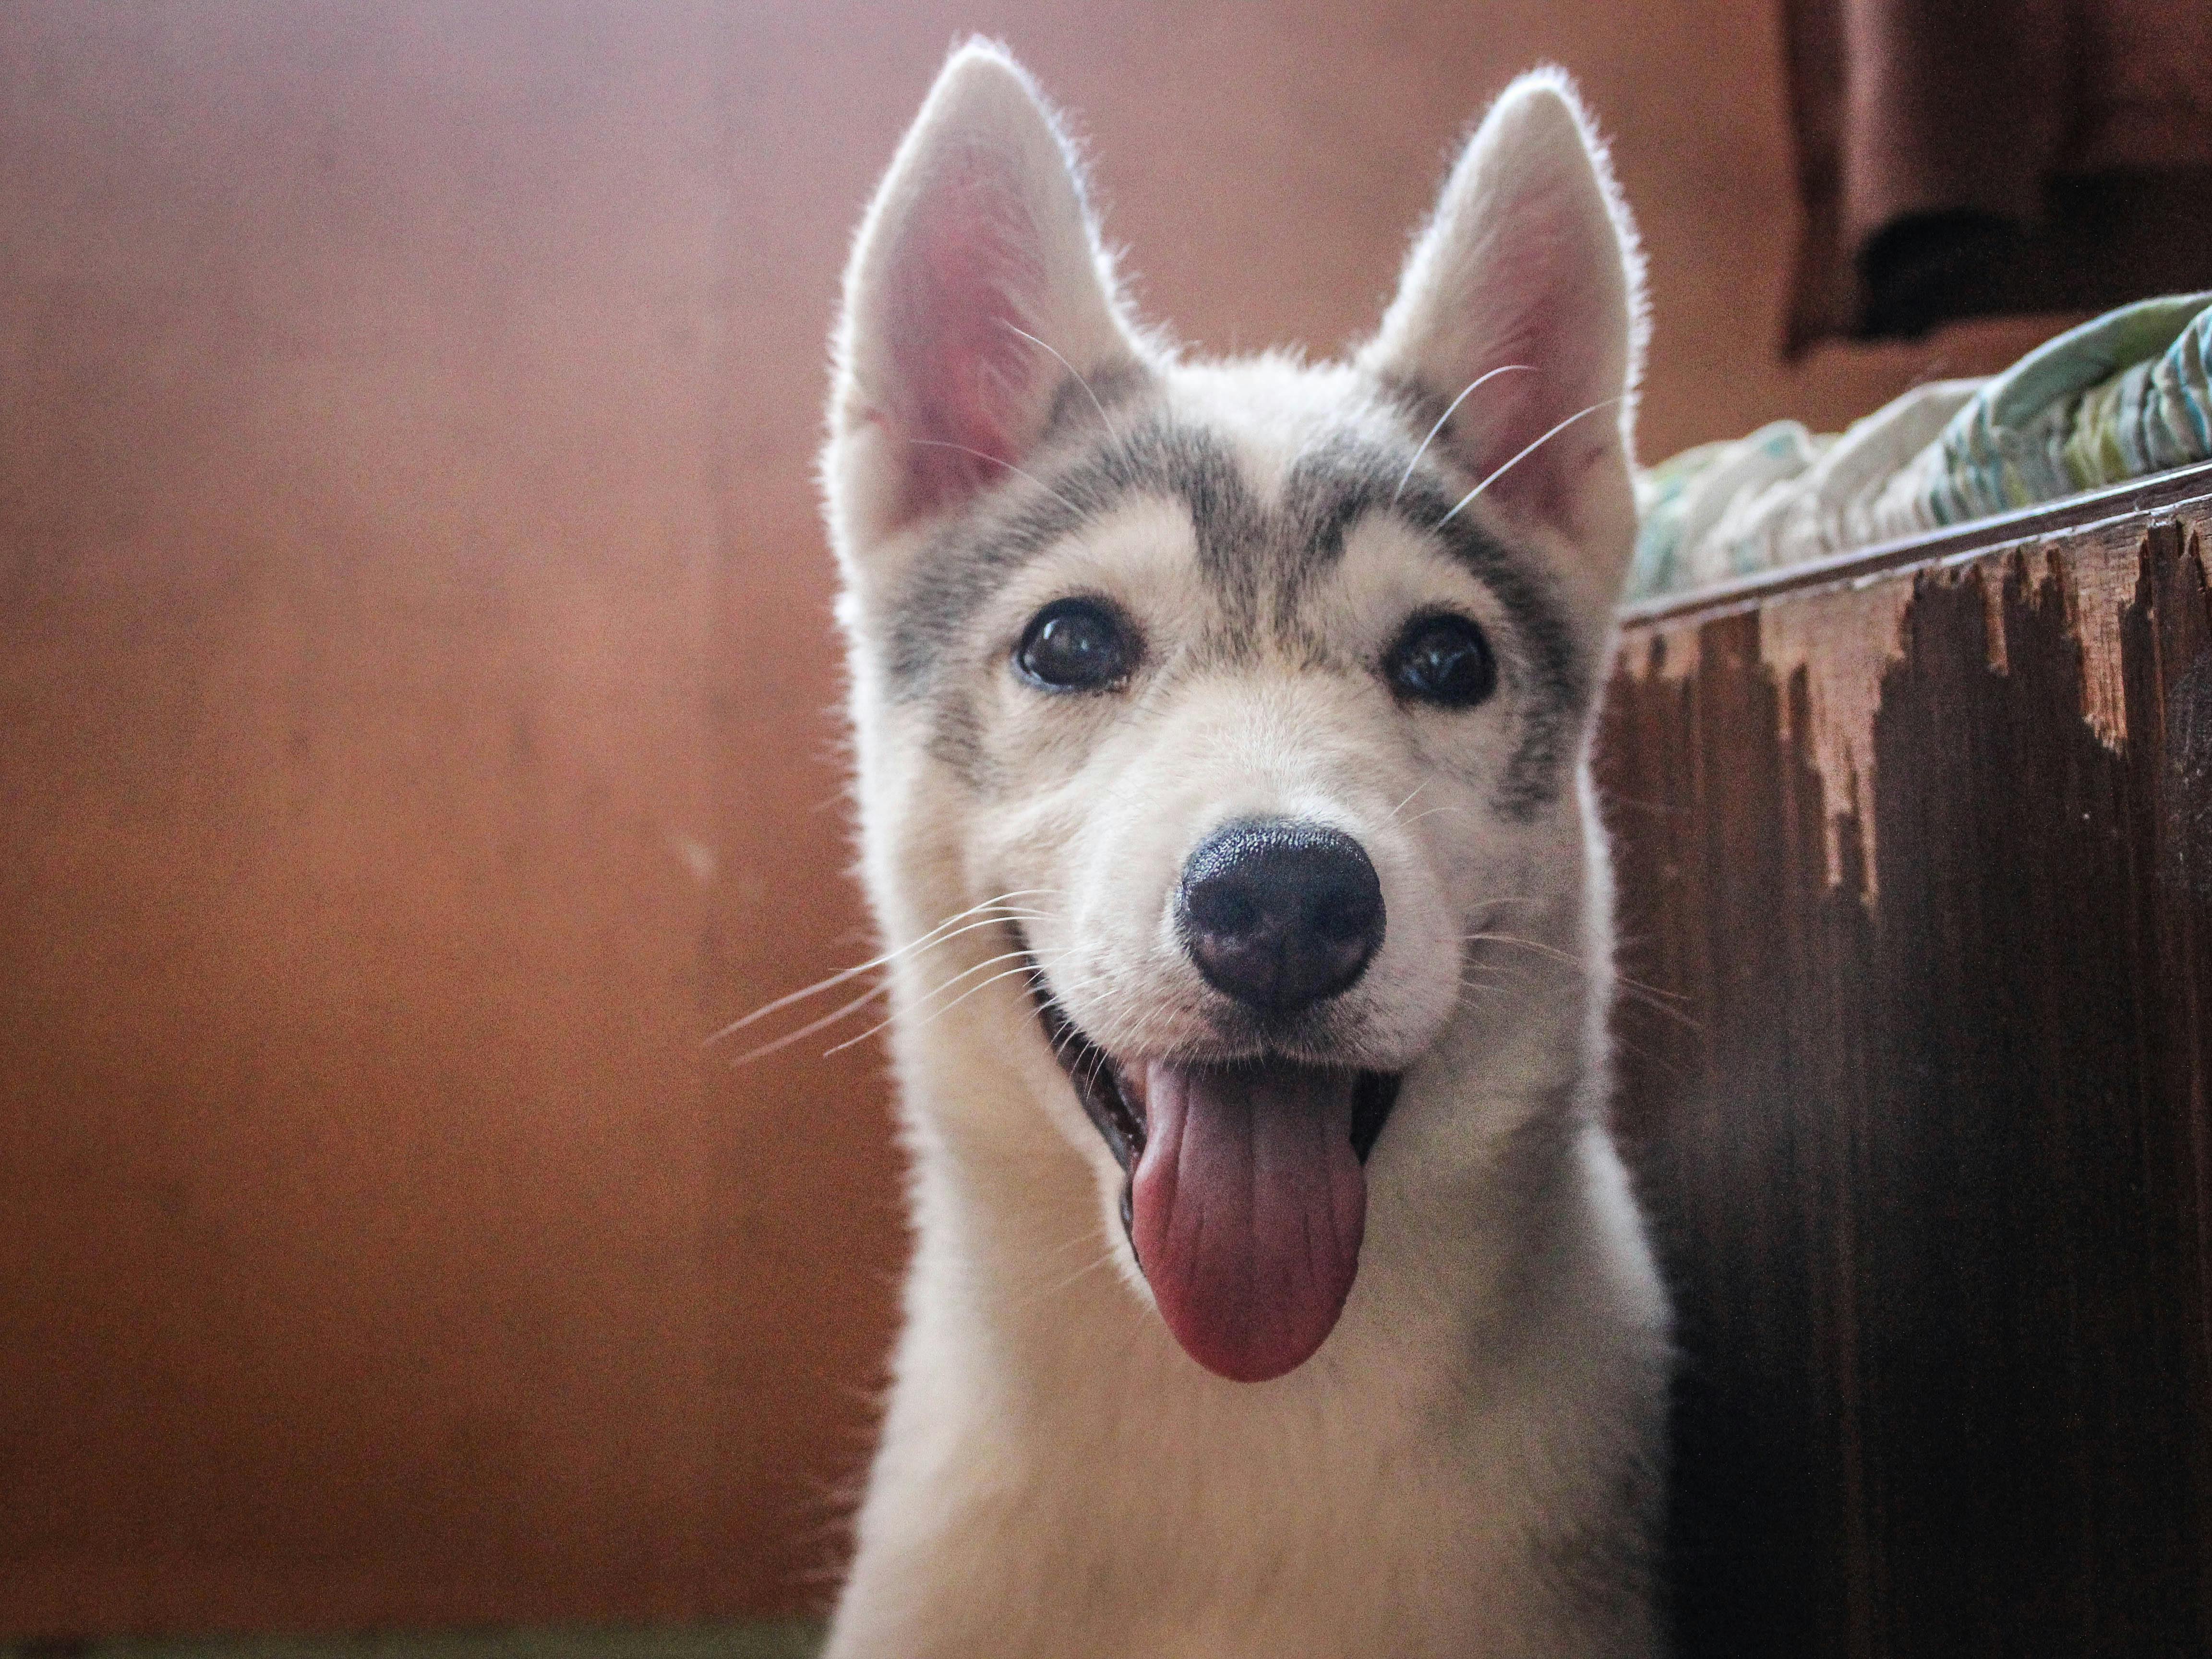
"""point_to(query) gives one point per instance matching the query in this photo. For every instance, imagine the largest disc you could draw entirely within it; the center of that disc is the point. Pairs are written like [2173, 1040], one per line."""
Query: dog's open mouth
[1247, 1194]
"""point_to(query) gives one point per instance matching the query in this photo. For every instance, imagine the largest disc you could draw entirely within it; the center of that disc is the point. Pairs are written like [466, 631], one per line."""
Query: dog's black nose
[1280, 915]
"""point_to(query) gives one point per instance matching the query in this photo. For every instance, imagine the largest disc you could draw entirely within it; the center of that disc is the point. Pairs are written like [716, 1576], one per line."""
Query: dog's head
[1242, 692]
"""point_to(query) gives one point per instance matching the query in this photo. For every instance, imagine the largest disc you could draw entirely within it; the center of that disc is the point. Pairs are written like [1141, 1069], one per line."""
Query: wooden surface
[1927, 1126]
[417, 727]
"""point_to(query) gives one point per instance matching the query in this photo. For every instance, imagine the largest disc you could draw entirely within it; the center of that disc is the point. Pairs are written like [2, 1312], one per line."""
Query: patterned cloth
[2127, 394]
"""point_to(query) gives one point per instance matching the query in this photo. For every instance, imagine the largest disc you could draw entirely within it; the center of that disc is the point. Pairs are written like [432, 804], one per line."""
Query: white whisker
[1071, 370]
[809, 1030]
[1409, 793]
[1522, 457]
[1656, 999]
[1028, 965]
[995, 461]
[1650, 995]
[1104, 1258]
[1537, 945]
[929, 940]
[935, 1015]
[1503, 368]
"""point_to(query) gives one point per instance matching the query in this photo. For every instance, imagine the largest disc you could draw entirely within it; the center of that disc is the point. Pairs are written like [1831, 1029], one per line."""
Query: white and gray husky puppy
[1222, 732]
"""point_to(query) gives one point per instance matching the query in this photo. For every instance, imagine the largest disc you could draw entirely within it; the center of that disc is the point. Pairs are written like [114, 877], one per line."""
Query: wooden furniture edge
[2138, 498]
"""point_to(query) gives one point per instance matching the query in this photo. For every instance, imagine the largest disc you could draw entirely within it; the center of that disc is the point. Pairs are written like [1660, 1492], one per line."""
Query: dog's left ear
[1529, 267]
[976, 295]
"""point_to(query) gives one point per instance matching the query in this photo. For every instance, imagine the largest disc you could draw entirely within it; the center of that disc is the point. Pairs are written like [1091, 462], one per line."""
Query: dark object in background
[1962, 158]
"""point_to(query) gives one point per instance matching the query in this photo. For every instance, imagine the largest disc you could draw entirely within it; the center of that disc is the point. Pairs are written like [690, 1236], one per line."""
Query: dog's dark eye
[1075, 645]
[1443, 658]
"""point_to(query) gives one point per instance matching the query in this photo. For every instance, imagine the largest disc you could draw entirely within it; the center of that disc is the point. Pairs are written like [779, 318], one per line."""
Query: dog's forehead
[1273, 413]
[1260, 469]
[1254, 470]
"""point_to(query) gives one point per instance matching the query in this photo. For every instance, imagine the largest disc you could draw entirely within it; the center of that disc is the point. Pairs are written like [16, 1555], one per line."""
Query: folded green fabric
[2116, 399]
[2124, 396]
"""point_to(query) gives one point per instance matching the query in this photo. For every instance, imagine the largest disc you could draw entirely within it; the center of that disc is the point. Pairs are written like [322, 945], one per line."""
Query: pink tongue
[1247, 1211]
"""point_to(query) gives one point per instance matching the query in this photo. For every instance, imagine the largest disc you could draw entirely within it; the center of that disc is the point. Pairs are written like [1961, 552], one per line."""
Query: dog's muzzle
[1243, 1194]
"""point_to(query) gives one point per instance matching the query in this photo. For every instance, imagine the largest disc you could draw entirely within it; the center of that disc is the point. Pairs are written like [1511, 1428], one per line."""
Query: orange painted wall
[417, 729]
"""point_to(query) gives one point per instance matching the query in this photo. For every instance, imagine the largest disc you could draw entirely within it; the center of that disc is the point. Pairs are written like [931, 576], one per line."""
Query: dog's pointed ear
[1529, 270]
[977, 290]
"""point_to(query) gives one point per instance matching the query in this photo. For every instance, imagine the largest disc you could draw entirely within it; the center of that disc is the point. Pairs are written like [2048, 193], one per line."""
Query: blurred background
[418, 731]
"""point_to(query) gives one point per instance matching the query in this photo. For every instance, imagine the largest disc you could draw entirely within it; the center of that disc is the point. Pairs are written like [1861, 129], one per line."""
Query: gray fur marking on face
[1331, 488]
[971, 559]
[1260, 562]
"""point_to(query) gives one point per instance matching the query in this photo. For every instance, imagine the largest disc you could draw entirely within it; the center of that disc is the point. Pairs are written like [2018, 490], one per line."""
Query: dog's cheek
[1023, 760]
[1436, 842]
[1121, 863]
[1018, 850]
[1413, 983]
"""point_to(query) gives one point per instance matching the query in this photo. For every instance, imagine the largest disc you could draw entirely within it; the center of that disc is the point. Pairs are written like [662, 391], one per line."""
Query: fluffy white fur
[1467, 1466]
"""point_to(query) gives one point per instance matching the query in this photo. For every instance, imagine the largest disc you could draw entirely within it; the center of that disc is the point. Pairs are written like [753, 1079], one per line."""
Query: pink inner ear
[1543, 285]
[965, 263]
[1555, 303]
[1542, 481]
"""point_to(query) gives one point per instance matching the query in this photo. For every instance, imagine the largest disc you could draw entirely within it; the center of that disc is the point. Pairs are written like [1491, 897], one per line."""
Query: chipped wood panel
[1927, 851]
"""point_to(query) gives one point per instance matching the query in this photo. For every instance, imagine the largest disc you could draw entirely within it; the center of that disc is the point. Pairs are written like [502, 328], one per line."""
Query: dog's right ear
[978, 291]
[1530, 273]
